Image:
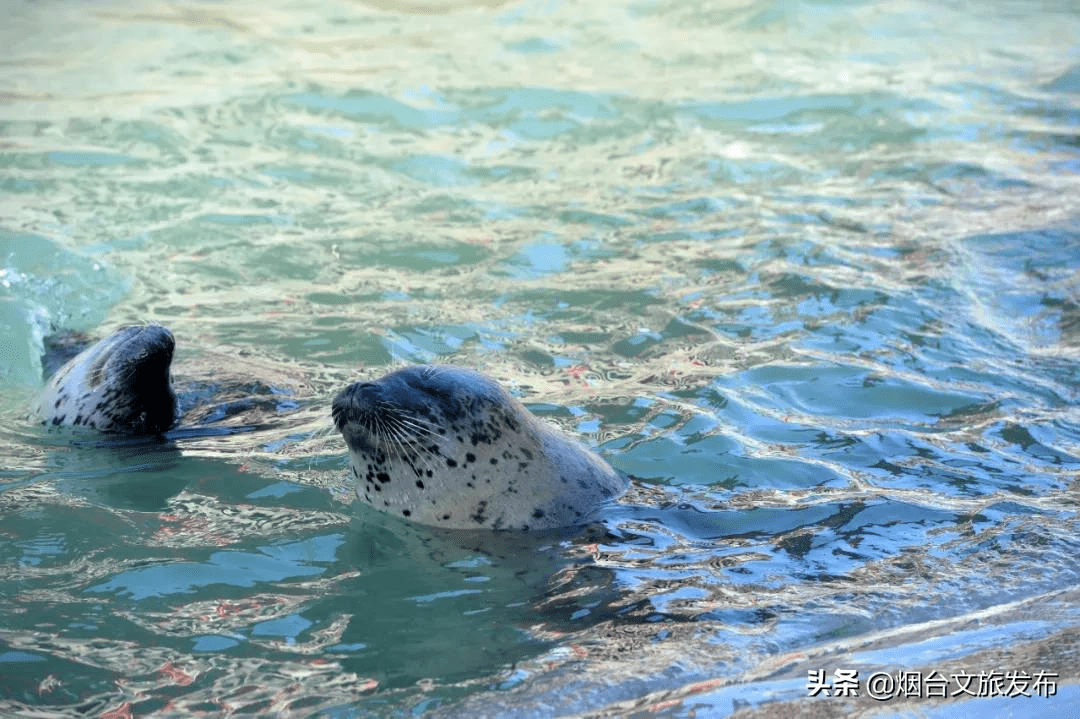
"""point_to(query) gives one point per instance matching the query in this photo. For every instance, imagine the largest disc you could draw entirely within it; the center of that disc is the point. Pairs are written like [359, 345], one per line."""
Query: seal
[121, 384]
[124, 385]
[449, 447]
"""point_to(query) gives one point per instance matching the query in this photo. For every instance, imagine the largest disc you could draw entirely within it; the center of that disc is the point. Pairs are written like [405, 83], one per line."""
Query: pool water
[808, 272]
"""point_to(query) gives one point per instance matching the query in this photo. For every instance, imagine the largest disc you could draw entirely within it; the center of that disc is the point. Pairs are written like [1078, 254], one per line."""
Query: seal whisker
[406, 440]
[414, 427]
[415, 423]
[378, 427]
[411, 451]
[407, 421]
[395, 428]
[408, 448]
[317, 443]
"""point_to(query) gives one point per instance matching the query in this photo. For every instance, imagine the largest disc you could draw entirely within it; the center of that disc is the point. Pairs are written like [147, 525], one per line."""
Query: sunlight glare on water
[806, 271]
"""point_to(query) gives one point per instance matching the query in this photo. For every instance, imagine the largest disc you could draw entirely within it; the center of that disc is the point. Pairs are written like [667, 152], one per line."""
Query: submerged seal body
[449, 447]
[121, 384]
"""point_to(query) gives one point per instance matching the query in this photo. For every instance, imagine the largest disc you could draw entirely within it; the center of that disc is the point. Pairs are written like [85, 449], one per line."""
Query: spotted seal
[449, 447]
[124, 385]
[121, 384]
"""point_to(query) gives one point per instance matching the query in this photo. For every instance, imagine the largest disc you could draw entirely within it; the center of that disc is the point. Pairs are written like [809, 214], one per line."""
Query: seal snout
[354, 403]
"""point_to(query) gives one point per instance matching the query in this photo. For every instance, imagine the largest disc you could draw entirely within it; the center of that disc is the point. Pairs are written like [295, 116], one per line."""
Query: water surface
[808, 271]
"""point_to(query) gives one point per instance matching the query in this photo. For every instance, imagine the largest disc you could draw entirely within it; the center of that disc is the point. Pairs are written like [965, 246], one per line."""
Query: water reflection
[806, 272]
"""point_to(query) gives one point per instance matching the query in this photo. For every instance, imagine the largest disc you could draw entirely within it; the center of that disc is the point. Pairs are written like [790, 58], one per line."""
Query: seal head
[121, 384]
[449, 447]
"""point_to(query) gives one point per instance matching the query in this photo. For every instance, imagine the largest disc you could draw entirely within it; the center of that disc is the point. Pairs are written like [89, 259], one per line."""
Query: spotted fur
[449, 447]
[121, 384]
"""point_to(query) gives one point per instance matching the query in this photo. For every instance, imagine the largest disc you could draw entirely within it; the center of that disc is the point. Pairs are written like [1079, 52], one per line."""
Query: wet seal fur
[121, 384]
[449, 447]
[124, 385]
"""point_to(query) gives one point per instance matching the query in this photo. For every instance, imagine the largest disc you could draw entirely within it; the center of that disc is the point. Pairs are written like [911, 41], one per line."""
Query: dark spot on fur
[383, 477]
[450, 462]
[494, 461]
[538, 513]
[469, 457]
[478, 515]
[406, 512]
[420, 484]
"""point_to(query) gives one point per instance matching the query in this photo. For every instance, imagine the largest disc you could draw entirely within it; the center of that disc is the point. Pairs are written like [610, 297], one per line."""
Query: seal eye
[432, 387]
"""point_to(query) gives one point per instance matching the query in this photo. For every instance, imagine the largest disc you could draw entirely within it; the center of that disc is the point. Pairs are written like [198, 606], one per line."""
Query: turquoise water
[808, 271]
